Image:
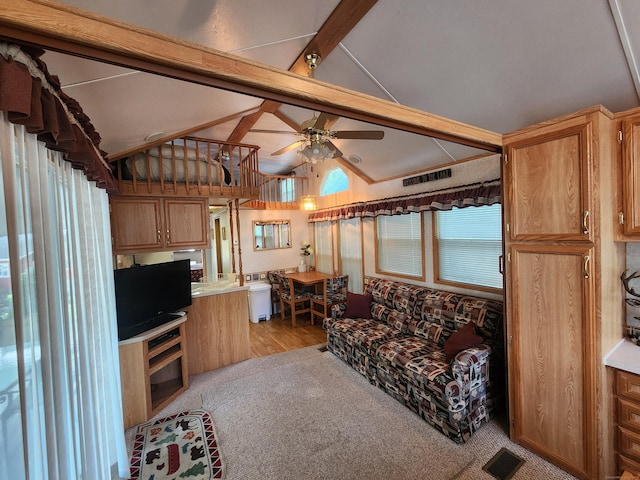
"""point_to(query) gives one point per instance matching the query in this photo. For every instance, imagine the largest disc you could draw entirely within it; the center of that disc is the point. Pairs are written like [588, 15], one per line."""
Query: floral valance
[32, 97]
[487, 193]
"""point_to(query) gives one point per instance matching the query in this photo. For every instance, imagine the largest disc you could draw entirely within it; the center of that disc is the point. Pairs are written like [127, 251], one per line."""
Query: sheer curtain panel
[60, 403]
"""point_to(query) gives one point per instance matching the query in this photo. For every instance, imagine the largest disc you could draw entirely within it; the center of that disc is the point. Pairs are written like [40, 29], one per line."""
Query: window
[335, 181]
[287, 190]
[467, 246]
[399, 245]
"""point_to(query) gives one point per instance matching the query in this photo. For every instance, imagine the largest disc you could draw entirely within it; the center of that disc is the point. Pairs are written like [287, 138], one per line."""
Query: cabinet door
[551, 338]
[548, 186]
[631, 173]
[136, 224]
[187, 223]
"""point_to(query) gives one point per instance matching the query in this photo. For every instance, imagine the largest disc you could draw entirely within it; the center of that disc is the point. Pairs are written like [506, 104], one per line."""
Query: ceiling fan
[317, 133]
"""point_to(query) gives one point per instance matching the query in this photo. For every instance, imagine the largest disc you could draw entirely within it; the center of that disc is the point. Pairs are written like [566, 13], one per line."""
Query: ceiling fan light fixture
[315, 152]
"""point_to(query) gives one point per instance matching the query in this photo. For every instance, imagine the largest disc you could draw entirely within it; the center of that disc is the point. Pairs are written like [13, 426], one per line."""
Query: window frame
[378, 270]
[450, 283]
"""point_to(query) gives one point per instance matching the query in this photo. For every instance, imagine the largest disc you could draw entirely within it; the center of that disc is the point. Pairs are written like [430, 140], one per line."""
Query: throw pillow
[358, 306]
[464, 338]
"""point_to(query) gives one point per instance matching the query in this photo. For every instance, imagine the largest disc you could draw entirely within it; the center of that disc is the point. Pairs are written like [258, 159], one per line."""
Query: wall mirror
[270, 234]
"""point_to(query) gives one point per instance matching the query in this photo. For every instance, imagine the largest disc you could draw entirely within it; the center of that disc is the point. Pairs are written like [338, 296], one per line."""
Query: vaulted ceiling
[493, 64]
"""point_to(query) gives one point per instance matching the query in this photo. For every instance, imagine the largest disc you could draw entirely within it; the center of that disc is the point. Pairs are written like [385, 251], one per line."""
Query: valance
[486, 193]
[32, 97]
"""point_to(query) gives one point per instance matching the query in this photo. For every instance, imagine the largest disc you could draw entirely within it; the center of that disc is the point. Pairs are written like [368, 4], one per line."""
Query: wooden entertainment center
[153, 370]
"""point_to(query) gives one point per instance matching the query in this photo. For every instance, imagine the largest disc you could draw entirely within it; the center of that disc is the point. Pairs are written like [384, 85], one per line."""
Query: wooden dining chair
[334, 292]
[297, 301]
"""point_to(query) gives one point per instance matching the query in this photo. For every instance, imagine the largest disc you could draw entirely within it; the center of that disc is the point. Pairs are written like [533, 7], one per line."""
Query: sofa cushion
[395, 295]
[358, 306]
[432, 332]
[365, 334]
[389, 316]
[485, 313]
[461, 340]
[439, 307]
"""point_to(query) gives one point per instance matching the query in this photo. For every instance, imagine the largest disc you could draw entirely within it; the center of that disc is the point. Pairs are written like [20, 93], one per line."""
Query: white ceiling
[495, 64]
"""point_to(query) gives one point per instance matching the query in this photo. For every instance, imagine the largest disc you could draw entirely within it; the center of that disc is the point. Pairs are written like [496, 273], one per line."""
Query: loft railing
[280, 192]
[191, 166]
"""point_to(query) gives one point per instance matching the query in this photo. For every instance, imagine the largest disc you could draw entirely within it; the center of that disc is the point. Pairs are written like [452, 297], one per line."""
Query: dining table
[307, 279]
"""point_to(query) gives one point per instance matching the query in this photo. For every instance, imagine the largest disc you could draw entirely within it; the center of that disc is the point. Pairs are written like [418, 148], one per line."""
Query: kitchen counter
[217, 328]
[205, 289]
[625, 356]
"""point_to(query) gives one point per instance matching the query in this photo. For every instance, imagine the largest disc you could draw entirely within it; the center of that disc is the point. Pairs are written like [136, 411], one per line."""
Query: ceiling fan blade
[283, 132]
[359, 134]
[336, 151]
[288, 147]
[325, 121]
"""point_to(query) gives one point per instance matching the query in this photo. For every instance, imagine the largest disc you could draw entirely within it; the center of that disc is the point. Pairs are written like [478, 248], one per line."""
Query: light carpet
[247, 459]
[316, 418]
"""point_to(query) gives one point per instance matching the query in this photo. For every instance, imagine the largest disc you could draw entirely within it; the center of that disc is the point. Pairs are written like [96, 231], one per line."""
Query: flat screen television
[148, 296]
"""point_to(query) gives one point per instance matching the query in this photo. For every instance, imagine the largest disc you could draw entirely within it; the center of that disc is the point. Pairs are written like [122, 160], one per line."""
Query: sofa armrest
[337, 311]
[470, 368]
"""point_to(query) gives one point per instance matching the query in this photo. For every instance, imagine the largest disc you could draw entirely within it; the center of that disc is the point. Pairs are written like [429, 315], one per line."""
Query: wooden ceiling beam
[69, 30]
[339, 23]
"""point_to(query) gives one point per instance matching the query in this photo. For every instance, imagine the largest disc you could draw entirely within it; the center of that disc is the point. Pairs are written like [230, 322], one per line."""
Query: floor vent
[503, 465]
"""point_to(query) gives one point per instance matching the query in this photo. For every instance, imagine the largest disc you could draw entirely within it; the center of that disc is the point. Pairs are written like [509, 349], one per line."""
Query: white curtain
[351, 252]
[60, 401]
[324, 247]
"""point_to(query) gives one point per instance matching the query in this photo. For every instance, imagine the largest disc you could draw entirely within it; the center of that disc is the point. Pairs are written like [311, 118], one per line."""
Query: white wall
[277, 259]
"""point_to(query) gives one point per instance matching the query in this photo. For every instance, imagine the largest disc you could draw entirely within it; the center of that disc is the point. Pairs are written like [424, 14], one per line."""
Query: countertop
[625, 356]
[206, 289]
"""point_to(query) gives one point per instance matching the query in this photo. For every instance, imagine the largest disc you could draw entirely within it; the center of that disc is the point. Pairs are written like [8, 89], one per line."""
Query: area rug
[319, 419]
[178, 446]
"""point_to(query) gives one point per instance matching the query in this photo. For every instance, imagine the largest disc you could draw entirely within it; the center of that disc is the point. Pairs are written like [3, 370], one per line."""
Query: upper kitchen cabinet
[548, 185]
[158, 224]
[630, 214]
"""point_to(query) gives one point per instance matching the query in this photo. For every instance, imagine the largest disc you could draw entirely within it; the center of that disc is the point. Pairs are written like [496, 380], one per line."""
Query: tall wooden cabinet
[561, 274]
[141, 224]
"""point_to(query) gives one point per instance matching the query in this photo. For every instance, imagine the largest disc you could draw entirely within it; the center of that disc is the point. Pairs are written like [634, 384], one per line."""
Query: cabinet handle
[159, 239]
[168, 242]
[587, 258]
[501, 265]
[585, 226]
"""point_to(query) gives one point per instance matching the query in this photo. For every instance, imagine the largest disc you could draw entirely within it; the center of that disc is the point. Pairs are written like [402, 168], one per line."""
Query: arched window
[335, 181]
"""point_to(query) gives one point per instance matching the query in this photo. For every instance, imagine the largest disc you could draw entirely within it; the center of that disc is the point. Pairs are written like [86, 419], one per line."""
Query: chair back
[274, 278]
[337, 284]
[285, 285]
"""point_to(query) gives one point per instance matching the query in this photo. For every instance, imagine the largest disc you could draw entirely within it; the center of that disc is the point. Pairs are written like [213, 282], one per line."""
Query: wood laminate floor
[275, 335]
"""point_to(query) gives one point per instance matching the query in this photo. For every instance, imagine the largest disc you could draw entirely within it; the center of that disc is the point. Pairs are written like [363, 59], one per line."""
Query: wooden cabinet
[153, 371]
[630, 128]
[561, 275]
[628, 393]
[155, 224]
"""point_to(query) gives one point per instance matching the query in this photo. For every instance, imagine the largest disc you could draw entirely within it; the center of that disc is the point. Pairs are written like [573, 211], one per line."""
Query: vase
[302, 267]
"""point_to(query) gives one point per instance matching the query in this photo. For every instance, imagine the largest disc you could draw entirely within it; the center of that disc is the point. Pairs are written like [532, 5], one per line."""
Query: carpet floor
[305, 414]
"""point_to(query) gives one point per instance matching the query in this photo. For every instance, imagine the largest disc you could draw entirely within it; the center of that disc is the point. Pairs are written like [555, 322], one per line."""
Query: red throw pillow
[464, 338]
[358, 306]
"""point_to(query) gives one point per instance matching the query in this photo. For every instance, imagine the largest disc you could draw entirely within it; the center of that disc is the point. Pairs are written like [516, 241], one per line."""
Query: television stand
[153, 370]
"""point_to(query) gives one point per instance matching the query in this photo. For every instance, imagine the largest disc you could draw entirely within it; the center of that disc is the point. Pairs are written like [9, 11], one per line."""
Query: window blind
[469, 244]
[399, 244]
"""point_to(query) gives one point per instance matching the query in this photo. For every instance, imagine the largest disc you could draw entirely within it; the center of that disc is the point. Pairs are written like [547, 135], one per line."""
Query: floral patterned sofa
[401, 349]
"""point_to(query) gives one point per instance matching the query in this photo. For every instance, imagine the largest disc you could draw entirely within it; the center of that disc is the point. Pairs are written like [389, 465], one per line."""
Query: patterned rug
[179, 446]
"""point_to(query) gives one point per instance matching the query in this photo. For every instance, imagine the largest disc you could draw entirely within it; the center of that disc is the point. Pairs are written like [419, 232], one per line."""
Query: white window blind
[399, 244]
[351, 252]
[324, 256]
[469, 244]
